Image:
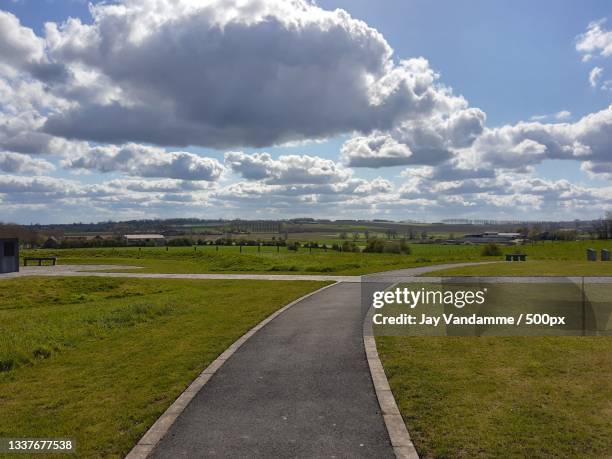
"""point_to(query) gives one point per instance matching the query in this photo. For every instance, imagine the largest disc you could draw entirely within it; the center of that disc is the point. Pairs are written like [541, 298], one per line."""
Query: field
[503, 397]
[544, 258]
[100, 359]
[532, 268]
[206, 259]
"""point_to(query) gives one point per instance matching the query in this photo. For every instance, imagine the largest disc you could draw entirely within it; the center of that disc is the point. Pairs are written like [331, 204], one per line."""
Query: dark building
[9, 255]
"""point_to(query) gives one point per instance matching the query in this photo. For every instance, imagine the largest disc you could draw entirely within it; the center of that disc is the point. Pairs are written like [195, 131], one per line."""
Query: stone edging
[158, 430]
[400, 438]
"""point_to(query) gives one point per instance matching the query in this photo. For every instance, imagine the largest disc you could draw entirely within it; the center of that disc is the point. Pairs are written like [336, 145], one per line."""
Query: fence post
[583, 309]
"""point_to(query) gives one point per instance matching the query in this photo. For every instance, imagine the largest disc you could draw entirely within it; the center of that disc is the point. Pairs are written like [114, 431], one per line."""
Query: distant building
[492, 237]
[9, 255]
[144, 239]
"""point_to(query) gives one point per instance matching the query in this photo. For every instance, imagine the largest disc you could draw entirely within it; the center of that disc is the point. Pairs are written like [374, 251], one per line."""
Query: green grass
[503, 397]
[532, 268]
[230, 260]
[206, 259]
[100, 359]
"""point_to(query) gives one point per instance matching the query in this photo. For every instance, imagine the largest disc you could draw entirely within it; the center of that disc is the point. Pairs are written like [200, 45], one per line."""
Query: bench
[516, 257]
[40, 260]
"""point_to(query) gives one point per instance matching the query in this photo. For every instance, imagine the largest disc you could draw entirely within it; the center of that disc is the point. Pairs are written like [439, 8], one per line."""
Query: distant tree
[343, 235]
[376, 245]
[366, 234]
[535, 233]
[293, 246]
[491, 250]
[348, 246]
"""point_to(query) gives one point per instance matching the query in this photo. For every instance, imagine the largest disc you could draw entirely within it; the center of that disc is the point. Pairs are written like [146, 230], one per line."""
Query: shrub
[348, 246]
[376, 245]
[180, 242]
[294, 246]
[491, 250]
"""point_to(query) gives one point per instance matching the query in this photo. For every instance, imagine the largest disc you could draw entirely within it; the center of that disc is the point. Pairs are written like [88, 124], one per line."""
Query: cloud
[560, 116]
[23, 164]
[230, 73]
[427, 140]
[596, 40]
[594, 76]
[145, 161]
[378, 150]
[518, 194]
[563, 115]
[288, 169]
[22, 50]
[524, 144]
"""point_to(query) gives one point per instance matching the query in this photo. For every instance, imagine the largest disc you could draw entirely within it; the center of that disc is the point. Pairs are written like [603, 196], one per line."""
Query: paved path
[94, 271]
[100, 271]
[300, 387]
[400, 275]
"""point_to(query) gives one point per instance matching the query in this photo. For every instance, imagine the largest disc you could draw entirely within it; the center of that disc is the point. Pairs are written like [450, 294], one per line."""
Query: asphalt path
[300, 387]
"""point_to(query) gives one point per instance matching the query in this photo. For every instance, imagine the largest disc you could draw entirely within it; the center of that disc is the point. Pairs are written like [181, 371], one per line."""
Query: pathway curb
[398, 433]
[158, 430]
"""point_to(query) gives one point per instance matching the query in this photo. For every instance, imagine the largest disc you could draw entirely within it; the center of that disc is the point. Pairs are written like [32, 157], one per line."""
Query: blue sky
[513, 63]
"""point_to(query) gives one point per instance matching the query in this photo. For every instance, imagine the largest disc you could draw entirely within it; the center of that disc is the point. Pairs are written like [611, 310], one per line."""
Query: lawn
[503, 397]
[99, 360]
[207, 259]
[532, 268]
[564, 258]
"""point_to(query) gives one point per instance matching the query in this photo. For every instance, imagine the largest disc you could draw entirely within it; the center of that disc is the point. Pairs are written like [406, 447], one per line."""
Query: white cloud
[174, 73]
[525, 144]
[145, 161]
[288, 169]
[594, 76]
[253, 72]
[560, 116]
[23, 164]
[425, 140]
[563, 115]
[596, 40]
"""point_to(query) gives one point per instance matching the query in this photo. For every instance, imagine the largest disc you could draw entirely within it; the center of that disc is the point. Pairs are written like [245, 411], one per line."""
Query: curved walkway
[300, 387]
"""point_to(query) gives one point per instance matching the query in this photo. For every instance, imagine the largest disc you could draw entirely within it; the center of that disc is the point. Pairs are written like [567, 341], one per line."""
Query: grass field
[503, 397]
[532, 268]
[230, 260]
[551, 258]
[99, 360]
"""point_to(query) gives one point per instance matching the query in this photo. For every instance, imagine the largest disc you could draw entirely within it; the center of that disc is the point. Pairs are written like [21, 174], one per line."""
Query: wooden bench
[516, 257]
[40, 260]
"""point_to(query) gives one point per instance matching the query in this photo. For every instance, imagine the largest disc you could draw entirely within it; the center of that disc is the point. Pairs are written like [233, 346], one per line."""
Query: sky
[404, 110]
